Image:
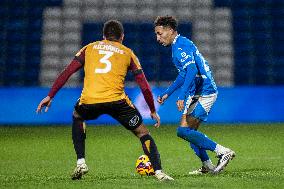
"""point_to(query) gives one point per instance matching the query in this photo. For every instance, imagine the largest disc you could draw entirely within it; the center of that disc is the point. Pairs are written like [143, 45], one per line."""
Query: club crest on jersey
[134, 120]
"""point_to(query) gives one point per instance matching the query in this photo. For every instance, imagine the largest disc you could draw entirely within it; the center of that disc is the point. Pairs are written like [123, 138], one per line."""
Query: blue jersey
[194, 74]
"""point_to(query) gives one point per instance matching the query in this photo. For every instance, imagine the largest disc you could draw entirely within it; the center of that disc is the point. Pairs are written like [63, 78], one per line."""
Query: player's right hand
[156, 117]
[162, 99]
[46, 102]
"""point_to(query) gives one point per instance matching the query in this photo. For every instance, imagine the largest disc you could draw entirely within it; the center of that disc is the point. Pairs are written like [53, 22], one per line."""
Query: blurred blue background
[245, 107]
[242, 40]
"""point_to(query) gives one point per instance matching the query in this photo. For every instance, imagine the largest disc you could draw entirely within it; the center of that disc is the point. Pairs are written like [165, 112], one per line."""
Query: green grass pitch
[43, 157]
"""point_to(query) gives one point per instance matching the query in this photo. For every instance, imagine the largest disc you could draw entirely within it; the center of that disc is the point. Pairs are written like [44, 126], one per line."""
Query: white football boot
[79, 171]
[224, 159]
[161, 176]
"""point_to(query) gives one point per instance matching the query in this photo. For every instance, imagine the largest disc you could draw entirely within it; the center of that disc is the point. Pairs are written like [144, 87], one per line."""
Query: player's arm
[174, 86]
[145, 88]
[147, 93]
[63, 77]
[191, 72]
[186, 58]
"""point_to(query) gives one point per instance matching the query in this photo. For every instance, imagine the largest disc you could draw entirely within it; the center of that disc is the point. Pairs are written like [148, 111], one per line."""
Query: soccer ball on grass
[144, 166]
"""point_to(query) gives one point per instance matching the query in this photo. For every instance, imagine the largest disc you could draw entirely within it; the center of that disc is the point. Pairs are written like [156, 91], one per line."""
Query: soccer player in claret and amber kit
[198, 93]
[106, 64]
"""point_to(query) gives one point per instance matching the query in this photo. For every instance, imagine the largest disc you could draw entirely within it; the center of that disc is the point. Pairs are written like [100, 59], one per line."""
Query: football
[144, 166]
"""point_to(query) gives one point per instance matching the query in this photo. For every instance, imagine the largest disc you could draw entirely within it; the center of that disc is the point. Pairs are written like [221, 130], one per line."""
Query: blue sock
[197, 138]
[200, 152]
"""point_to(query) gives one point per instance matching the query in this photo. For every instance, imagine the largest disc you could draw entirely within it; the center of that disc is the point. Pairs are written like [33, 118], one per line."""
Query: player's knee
[78, 128]
[193, 122]
[181, 132]
[194, 126]
[141, 131]
[76, 115]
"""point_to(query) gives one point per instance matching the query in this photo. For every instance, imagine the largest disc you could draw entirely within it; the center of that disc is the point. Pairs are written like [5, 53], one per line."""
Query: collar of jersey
[175, 39]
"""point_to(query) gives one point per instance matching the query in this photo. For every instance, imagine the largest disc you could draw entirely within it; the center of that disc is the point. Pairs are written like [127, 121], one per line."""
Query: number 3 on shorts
[104, 60]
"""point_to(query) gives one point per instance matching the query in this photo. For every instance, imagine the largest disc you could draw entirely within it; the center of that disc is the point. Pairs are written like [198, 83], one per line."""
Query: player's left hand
[156, 117]
[180, 105]
[46, 102]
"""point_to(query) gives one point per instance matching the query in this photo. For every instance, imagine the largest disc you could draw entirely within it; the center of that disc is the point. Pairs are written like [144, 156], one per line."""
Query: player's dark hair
[166, 21]
[113, 30]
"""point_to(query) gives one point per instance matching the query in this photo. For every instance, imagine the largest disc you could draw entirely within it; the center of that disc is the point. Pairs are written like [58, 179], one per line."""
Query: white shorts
[199, 106]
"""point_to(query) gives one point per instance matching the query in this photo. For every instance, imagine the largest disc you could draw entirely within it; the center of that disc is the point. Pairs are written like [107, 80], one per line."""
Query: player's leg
[78, 137]
[151, 150]
[81, 113]
[200, 111]
[128, 116]
[194, 123]
[202, 141]
[193, 108]
[207, 165]
[149, 146]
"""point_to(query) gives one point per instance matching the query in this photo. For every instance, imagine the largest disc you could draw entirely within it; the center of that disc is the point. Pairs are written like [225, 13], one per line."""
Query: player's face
[164, 35]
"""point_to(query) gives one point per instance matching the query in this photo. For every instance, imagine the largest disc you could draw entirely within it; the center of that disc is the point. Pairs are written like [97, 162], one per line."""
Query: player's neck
[114, 40]
[174, 36]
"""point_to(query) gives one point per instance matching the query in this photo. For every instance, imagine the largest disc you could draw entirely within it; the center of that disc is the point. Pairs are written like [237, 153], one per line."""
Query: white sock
[158, 171]
[81, 161]
[208, 164]
[220, 149]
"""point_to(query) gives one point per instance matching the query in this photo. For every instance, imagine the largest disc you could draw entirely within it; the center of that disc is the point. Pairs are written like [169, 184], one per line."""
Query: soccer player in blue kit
[198, 93]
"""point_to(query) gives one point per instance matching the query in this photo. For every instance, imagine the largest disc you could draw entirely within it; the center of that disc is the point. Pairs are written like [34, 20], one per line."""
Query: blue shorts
[199, 106]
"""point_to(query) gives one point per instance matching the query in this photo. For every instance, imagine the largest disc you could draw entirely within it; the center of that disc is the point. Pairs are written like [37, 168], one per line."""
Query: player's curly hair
[166, 21]
[113, 30]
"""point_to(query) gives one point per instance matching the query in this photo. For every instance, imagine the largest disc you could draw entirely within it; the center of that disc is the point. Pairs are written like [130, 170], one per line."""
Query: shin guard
[150, 149]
